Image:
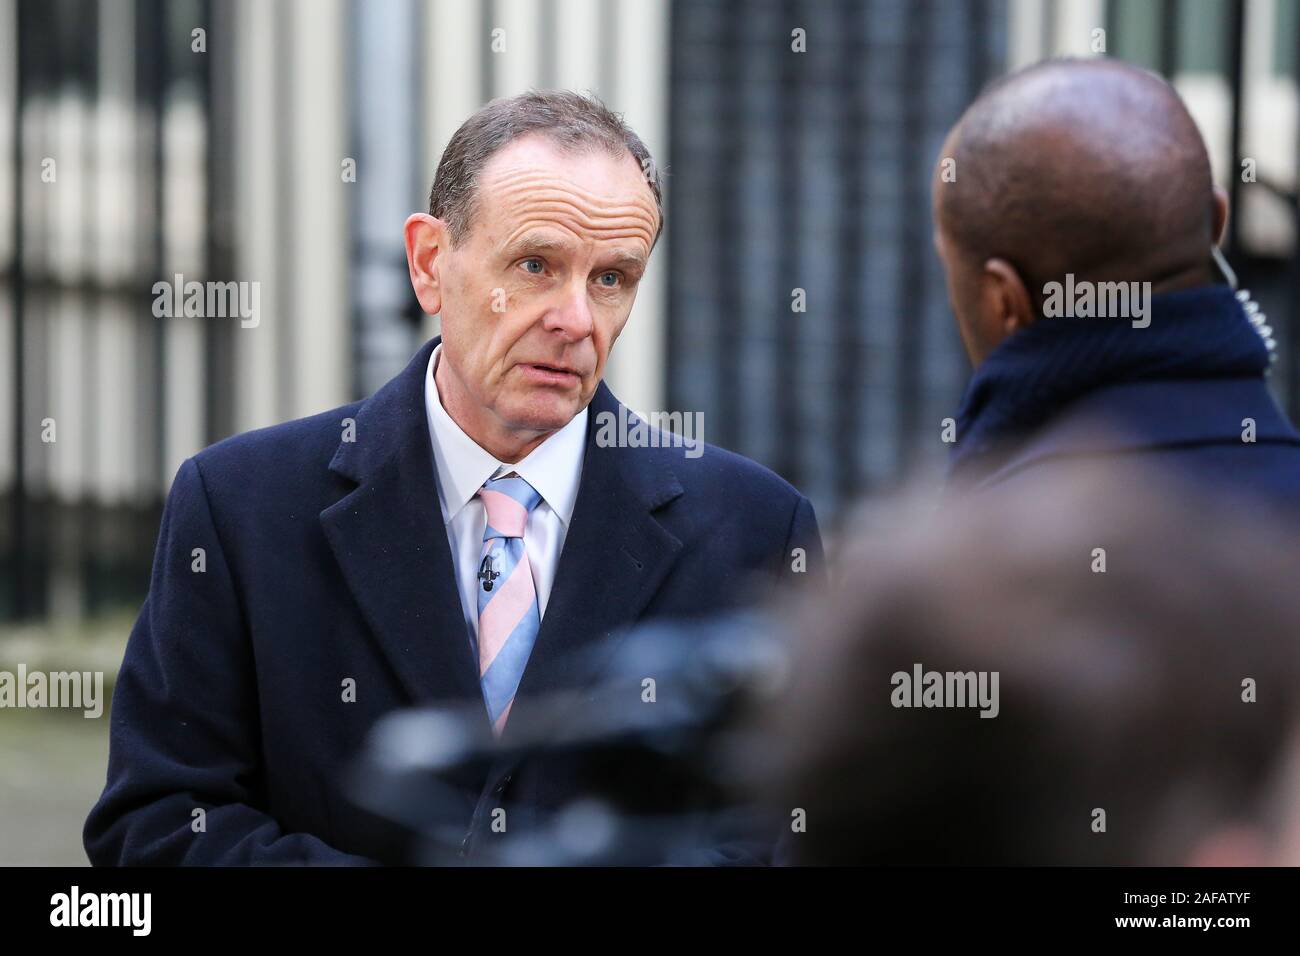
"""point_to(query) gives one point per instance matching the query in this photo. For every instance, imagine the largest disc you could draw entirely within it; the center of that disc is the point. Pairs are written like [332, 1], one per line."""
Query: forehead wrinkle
[558, 201]
[542, 198]
[583, 227]
[594, 235]
[519, 190]
[525, 177]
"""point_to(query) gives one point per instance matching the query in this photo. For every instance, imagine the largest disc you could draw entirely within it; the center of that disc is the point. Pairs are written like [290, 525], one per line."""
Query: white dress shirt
[553, 468]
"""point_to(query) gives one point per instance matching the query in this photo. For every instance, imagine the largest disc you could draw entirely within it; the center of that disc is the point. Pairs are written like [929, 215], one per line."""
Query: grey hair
[571, 120]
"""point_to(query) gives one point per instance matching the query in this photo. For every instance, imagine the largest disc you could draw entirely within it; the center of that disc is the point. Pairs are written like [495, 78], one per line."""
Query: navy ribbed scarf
[1025, 381]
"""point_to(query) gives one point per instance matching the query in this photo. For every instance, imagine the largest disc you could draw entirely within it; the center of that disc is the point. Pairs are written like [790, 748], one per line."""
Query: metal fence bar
[21, 606]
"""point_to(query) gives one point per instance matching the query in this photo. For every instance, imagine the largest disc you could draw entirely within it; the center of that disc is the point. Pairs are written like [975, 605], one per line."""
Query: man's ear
[426, 239]
[1005, 304]
[1220, 214]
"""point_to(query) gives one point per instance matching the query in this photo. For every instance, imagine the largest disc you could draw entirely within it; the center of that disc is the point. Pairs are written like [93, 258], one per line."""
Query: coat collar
[389, 540]
[1143, 415]
[1033, 377]
[616, 554]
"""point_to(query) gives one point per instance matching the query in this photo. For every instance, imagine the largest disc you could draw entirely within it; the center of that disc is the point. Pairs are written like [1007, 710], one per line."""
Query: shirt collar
[553, 468]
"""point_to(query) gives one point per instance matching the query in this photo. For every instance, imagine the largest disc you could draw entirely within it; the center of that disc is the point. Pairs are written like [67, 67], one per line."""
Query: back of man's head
[1089, 167]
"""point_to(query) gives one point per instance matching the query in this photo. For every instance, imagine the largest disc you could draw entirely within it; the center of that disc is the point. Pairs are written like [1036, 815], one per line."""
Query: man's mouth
[550, 374]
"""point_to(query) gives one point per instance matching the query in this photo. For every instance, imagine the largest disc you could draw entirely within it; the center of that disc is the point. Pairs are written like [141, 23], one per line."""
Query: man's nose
[571, 314]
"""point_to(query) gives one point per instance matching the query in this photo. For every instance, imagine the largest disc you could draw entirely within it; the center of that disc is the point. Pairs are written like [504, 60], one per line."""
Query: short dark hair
[573, 121]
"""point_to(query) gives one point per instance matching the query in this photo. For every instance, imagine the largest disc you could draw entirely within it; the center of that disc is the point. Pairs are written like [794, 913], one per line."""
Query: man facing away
[453, 540]
[1078, 227]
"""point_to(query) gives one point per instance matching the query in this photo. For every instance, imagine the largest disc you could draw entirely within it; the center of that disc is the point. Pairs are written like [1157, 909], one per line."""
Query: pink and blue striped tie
[508, 617]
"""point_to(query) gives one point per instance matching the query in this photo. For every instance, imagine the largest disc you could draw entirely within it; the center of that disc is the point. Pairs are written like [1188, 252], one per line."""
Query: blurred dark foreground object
[650, 735]
[1146, 643]
[1145, 638]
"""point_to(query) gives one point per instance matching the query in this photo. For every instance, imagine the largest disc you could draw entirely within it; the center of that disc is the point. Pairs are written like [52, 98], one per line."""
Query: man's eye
[529, 264]
[609, 280]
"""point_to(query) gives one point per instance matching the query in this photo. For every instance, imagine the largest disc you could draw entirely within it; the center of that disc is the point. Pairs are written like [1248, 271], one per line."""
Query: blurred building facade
[795, 299]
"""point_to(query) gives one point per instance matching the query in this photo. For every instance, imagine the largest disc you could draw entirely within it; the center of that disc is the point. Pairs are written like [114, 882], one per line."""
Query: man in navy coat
[1078, 225]
[454, 540]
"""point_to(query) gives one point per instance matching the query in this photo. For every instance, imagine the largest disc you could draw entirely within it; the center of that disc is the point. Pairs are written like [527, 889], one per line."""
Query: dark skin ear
[1220, 214]
[1005, 305]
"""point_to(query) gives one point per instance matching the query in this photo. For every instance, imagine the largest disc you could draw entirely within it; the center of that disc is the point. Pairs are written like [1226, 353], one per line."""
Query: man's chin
[545, 412]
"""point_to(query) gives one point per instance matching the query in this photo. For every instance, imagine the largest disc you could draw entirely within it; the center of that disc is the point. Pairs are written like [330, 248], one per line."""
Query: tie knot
[508, 502]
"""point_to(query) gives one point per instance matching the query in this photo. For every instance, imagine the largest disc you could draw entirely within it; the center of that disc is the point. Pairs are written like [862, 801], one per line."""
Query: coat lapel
[388, 537]
[615, 556]
[389, 540]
